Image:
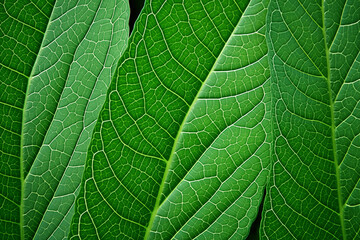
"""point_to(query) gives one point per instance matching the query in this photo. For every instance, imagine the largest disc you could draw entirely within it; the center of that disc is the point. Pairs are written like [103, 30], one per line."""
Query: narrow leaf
[314, 190]
[67, 51]
[67, 88]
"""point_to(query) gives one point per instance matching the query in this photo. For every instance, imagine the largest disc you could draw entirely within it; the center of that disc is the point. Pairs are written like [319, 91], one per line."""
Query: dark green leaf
[314, 190]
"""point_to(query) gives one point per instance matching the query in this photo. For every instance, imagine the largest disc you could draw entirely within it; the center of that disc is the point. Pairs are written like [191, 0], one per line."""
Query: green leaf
[193, 128]
[22, 25]
[314, 190]
[67, 52]
[181, 147]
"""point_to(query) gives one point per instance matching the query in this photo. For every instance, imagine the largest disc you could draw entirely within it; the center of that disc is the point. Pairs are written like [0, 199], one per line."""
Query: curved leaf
[66, 91]
[181, 148]
[22, 27]
[67, 50]
[315, 65]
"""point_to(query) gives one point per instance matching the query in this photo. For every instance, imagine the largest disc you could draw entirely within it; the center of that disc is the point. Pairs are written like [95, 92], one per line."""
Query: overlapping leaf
[22, 27]
[181, 147]
[80, 43]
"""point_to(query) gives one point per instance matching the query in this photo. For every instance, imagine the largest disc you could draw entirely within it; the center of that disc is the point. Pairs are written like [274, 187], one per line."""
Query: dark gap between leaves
[135, 9]
[255, 227]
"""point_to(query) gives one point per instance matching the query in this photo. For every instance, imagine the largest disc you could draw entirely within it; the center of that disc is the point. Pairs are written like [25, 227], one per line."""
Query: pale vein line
[120, 182]
[208, 147]
[10, 131]
[348, 149]
[132, 149]
[13, 70]
[137, 126]
[299, 45]
[62, 91]
[218, 189]
[12, 201]
[107, 203]
[347, 74]
[167, 46]
[21, 22]
[339, 25]
[87, 207]
[41, 11]
[228, 207]
[354, 188]
[157, 76]
[12, 106]
[309, 14]
[242, 67]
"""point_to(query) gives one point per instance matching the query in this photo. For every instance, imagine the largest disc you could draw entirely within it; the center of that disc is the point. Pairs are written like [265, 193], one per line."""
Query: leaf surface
[67, 51]
[66, 91]
[315, 69]
[181, 147]
[22, 27]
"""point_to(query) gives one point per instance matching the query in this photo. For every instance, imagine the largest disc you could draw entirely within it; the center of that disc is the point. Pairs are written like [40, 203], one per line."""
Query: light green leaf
[67, 50]
[181, 147]
[314, 190]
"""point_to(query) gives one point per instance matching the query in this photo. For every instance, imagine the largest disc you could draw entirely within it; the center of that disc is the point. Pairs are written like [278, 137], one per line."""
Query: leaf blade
[22, 28]
[66, 91]
[157, 81]
[216, 212]
[308, 179]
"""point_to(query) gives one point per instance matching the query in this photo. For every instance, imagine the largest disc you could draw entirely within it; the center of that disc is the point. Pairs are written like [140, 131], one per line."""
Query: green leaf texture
[314, 190]
[181, 147]
[66, 90]
[22, 27]
[67, 51]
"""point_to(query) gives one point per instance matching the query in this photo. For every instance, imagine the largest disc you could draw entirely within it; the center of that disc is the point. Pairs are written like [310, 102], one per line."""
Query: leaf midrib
[333, 127]
[168, 164]
[22, 174]
[21, 159]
